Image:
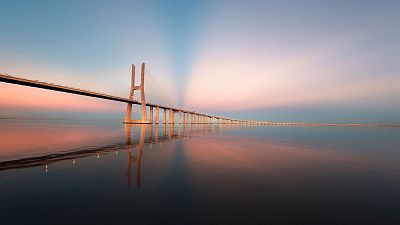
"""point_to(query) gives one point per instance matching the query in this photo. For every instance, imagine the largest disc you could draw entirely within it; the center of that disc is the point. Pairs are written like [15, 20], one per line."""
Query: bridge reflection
[137, 136]
[169, 133]
[139, 151]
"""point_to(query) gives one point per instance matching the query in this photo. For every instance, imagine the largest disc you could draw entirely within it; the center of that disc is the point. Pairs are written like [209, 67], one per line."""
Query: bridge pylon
[134, 88]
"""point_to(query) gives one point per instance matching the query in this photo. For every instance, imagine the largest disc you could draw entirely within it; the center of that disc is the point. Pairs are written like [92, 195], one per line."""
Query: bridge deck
[61, 88]
[55, 87]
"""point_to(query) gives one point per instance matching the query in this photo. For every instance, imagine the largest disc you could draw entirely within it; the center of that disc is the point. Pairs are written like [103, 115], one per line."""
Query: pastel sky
[331, 61]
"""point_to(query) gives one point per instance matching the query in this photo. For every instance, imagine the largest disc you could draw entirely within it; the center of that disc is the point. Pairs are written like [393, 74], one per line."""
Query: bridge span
[185, 116]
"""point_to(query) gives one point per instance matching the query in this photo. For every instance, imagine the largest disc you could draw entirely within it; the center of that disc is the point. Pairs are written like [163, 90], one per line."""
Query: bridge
[185, 116]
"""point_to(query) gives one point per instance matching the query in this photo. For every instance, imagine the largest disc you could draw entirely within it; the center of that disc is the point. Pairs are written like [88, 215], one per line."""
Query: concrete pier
[171, 116]
[157, 114]
[151, 114]
[165, 116]
[143, 119]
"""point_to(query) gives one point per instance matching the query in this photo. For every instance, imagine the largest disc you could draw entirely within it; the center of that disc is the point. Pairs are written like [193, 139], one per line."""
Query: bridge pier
[171, 116]
[143, 119]
[157, 114]
[165, 116]
[151, 114]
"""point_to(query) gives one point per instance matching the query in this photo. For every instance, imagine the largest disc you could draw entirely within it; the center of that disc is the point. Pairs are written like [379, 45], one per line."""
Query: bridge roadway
[55, 87]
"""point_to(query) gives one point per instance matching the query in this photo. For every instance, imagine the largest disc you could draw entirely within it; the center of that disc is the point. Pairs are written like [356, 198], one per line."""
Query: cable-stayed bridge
[185, 116]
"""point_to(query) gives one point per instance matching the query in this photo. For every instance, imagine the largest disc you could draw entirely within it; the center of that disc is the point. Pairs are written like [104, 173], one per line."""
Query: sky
[320, 61]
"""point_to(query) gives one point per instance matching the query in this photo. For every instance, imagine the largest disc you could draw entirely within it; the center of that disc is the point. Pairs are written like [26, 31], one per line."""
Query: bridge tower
[134, 88]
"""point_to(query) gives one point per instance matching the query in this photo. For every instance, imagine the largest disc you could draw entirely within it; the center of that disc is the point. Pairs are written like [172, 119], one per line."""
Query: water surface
[96, 172]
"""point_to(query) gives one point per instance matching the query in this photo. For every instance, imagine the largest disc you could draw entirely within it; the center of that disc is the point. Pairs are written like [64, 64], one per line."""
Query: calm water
[82, 172]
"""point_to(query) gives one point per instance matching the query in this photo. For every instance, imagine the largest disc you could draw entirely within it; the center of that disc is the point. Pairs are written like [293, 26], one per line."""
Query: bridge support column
[129, 107]
[171, 116]
[180, 117]
[165, 116]
[157, 114]
[151, 114]
[143, 119]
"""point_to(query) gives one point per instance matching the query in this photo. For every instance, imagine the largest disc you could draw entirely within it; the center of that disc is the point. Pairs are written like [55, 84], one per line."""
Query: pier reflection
[169, 133]
[138, 148]
[135, 140]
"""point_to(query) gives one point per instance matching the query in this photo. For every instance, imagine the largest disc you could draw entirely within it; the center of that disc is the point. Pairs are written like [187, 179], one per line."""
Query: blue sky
[282, 60]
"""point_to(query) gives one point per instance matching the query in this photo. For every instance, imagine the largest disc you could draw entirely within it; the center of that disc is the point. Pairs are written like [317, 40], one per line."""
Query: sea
[103, 172]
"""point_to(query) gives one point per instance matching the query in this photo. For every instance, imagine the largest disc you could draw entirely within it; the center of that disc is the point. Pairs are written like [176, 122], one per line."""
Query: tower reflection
[134, 142]
[136, 158]
[135, 148]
